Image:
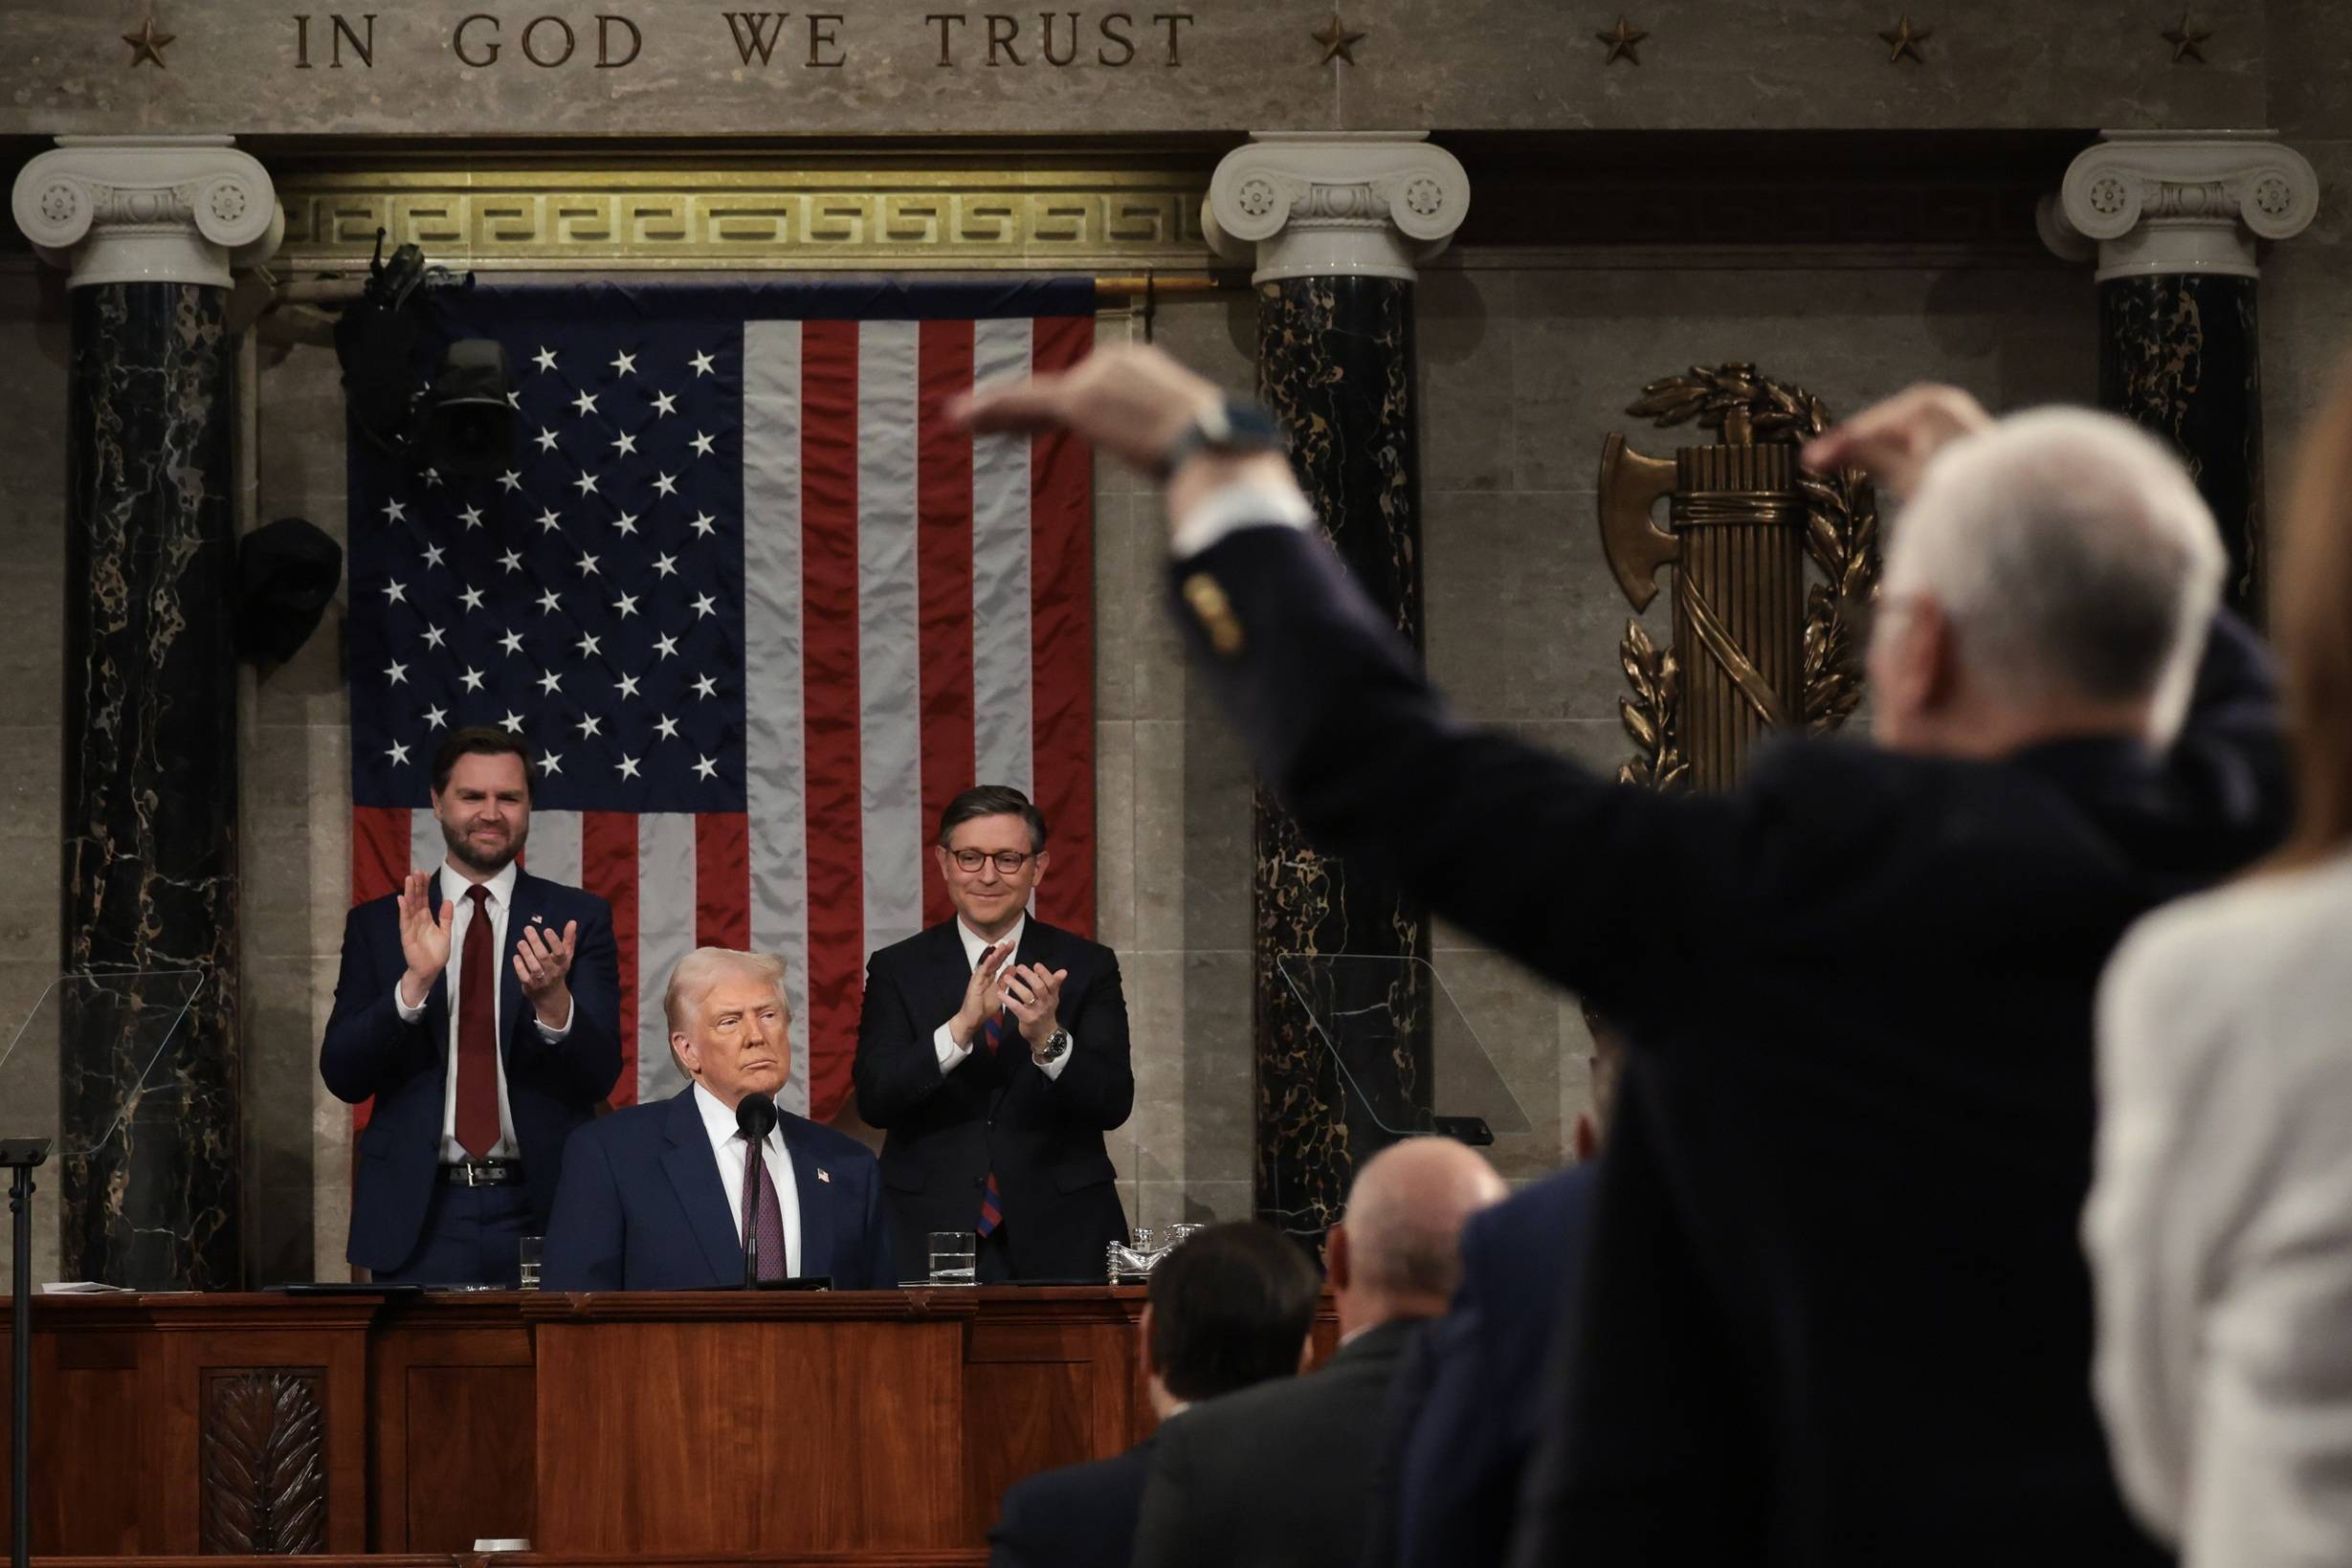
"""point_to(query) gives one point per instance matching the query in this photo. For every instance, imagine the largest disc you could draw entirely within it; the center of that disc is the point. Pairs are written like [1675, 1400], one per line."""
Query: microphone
[755, 1117]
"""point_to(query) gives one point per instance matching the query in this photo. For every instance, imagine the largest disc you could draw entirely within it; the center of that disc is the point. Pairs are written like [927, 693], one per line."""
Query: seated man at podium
[670, 1197]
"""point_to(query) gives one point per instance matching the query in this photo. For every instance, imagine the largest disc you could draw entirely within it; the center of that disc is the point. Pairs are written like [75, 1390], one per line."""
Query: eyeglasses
[1007, 861]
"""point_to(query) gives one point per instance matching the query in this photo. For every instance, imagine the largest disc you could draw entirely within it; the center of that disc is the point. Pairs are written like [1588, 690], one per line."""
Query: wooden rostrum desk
[876, 1427]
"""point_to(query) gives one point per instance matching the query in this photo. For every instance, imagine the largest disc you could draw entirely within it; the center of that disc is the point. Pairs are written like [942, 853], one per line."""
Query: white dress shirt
[501, 888]
[1245, 504]
[944, 1040]
[727, 1148]
[2220, 1221]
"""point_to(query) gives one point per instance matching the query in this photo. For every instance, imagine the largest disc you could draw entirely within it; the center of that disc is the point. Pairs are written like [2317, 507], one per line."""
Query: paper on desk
[83, 1287]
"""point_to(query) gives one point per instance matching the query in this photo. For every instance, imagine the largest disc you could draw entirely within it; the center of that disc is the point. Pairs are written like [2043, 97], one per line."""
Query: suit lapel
[437, 999]
[816, 1211]
[693, 1170]
[523, 904]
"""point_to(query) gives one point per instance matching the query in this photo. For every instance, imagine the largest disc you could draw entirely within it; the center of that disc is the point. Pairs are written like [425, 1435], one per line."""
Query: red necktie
[991, 1197]
[764, 1214]
[478, 1032]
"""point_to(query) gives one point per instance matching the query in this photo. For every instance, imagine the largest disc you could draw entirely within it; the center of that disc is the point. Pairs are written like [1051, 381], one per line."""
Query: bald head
[1406, 1213]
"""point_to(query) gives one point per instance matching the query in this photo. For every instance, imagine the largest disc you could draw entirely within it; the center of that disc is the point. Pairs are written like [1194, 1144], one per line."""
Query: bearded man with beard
[479, 1005]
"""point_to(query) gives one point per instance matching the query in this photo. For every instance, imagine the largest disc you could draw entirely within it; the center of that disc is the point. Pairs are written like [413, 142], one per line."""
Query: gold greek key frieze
[734, 218]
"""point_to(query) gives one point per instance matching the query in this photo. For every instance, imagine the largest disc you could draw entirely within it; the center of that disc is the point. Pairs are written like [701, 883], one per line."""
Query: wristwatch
[1051, 1051]
[1232, 425]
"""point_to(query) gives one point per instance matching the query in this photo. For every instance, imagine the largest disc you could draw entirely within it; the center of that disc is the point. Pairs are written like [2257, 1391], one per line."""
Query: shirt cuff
[408, 1014]
[1250, 503]
[572, 1009]
[1053, 1068]
[950, 1054]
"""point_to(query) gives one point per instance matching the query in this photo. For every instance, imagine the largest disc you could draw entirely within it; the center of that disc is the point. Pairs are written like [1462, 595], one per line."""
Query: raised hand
[542, 961]
[1893, 440]
[1130, 401]
[984, 994]
[1034, 994]
[424, 940]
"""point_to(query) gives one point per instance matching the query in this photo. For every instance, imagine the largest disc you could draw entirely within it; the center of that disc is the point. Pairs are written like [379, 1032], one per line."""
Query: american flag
[758, 610]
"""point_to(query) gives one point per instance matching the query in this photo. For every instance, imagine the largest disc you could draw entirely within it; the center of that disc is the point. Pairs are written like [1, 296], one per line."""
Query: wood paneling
[679, 1430]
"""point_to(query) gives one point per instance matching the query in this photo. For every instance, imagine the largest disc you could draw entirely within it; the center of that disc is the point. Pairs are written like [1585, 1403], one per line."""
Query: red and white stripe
[918, 618]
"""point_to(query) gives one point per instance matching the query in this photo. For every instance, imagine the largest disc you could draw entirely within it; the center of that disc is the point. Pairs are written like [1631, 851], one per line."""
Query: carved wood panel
[262, 1433]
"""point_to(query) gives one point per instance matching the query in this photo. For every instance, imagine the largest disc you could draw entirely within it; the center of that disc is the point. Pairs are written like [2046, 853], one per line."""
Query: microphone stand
[19, 1155]
[755, 1117]
[751, 1211]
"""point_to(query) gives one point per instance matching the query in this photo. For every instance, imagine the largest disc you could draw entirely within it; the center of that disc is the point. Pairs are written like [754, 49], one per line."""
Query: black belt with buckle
[482, 1173]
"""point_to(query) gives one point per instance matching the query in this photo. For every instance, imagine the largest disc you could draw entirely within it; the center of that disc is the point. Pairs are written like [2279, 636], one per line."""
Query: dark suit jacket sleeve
[2232, 752]
[1447, 1459]
[1407, 1392]
[1008, 1545]
[586, 1234]
[895, 1066]
[1164, 1532]
[368, 1048]
[882, 1267]
[1096, 1088]
[584, 1065]
[1590, 881]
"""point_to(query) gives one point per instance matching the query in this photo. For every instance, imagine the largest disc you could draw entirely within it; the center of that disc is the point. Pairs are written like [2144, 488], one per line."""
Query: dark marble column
[1336, 361]
[2176, 218]
[1342, 1008]
[149, 1145]
[2180, 356]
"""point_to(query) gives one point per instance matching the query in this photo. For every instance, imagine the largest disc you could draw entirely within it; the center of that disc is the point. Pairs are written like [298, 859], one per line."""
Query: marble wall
[2306, 300]
[33, 369]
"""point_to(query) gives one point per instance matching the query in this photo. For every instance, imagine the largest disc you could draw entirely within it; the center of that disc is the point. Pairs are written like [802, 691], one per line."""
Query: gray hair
[2073, 558]
[700, 970]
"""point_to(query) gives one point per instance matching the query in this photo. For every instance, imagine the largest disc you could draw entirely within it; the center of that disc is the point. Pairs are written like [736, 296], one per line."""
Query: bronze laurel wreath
[1841, 534]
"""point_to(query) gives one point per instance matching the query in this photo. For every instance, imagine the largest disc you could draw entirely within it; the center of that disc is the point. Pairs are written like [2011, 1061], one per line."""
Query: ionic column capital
[2182, 202]
[1305, 204]
[147, 209]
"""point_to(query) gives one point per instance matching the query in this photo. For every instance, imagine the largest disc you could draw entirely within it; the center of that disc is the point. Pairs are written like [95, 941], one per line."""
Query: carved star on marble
[2186, 41]
[1903, 41]
[148, 44]
[1621, 40]
[1338, 43]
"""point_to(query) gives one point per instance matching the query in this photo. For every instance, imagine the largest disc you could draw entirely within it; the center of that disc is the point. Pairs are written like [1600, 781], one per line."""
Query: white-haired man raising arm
[1834, 1311]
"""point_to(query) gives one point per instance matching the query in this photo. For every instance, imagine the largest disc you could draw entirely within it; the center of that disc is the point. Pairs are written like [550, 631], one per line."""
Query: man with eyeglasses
[993, 1051]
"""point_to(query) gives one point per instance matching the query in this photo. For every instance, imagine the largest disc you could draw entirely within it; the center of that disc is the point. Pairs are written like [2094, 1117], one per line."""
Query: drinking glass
[952, 1256]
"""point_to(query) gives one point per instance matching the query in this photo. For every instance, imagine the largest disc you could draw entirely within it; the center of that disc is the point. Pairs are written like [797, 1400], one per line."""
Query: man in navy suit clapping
[661, 1197]
[480, 1007]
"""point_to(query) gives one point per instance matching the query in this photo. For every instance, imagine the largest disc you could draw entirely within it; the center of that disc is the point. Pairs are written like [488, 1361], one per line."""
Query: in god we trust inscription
[951, 40]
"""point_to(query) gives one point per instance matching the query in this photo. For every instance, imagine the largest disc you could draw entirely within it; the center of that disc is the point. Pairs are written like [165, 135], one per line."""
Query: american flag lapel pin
[538, 920]
[824, 1175]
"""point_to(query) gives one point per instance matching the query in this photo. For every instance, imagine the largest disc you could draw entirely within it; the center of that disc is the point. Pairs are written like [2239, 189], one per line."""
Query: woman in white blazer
[2220, 1221]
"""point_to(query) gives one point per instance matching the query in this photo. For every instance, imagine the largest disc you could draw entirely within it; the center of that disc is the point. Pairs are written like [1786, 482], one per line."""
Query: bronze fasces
[1762, 642]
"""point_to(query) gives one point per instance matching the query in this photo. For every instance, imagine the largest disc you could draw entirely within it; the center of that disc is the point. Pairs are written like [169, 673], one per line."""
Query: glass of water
[530, 1248]
[952, 1256]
